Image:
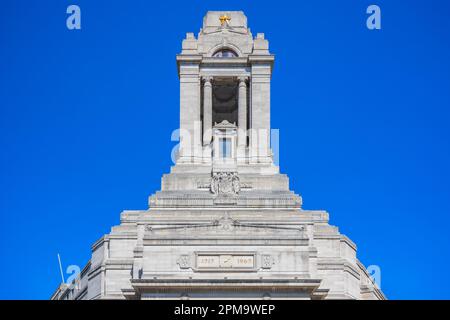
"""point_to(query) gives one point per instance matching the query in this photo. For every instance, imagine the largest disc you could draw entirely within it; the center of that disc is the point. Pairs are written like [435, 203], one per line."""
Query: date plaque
[225, 261]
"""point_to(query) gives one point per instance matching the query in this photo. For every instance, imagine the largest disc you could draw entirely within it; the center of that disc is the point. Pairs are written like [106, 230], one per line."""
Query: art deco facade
[225, 223]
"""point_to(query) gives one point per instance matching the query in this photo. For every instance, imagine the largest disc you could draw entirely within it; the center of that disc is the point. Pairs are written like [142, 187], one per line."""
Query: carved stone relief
[184, 261]
[225, 183]
[267, 261]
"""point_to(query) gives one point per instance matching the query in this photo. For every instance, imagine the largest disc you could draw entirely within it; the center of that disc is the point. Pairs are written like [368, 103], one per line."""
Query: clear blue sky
[86, 118]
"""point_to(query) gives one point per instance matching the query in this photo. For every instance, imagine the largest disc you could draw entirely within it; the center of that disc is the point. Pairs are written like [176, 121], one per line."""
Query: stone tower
[225, 224]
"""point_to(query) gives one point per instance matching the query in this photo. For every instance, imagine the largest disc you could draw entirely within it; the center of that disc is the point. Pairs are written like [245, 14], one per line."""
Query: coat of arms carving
[225, 183]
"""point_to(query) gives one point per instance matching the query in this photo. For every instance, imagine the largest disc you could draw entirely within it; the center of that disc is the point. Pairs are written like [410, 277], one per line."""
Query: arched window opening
[225, 53]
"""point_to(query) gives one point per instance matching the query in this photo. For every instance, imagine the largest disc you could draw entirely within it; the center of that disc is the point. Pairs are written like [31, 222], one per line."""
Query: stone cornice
[309, 286]
[189, 58]
[224, 61]
[256, 58]
[347, 240]
[99, 242]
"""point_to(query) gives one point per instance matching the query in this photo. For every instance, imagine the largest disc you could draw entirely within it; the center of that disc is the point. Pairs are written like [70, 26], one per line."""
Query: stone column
[260, 129]
[190, 124]
[242, 115]
[207, 111]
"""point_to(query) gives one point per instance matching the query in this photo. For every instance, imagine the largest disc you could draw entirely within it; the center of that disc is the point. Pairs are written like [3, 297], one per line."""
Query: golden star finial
[224, 19]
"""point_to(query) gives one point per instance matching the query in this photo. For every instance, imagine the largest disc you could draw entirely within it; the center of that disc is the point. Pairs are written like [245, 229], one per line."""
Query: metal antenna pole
[60, 268]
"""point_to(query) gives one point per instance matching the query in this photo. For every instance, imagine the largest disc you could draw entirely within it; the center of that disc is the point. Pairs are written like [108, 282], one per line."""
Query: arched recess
[222, 47]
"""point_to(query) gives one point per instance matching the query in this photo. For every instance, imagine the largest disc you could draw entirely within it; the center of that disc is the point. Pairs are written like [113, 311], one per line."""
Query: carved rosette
[267, 261]
[184, 261]
[225, 183]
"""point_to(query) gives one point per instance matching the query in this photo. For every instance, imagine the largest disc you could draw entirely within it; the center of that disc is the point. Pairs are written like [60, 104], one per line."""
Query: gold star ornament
[224, 19]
